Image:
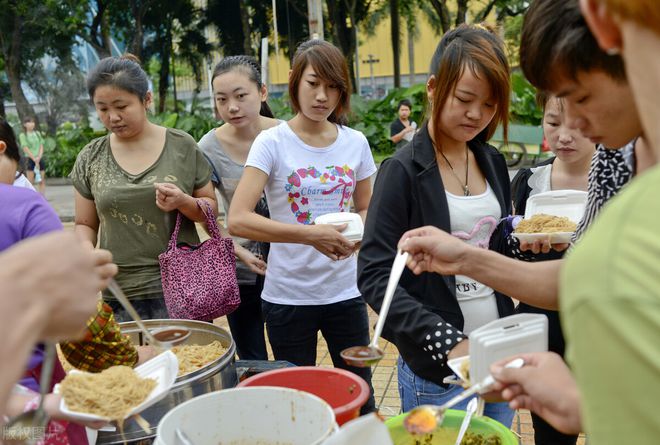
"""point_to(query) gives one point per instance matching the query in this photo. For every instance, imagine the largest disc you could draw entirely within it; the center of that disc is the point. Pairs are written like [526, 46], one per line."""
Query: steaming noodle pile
[542, 223]
[194, 357]
[112, 393]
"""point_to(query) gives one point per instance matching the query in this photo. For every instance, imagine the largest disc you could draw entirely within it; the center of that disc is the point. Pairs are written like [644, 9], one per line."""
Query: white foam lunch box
[497, 340]
[566, 203]
[354, 229]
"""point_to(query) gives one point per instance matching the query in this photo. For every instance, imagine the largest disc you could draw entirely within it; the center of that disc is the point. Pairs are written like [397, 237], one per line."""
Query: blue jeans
[415, 391]
[292, 332]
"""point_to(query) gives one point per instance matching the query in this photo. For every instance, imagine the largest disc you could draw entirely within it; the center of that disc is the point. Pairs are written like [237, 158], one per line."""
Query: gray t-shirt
[131, 226]
[225, 177]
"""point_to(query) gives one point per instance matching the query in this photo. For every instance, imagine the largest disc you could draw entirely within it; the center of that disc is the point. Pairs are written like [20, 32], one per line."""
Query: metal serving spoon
[30, 426]
[163, 338]
[425, 419]
[365, 356]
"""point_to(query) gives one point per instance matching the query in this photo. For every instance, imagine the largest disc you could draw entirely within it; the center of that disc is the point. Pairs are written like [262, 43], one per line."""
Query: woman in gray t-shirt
[240, 101]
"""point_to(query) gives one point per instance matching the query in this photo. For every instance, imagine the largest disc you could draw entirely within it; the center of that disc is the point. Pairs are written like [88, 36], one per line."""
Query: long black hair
[251, 67]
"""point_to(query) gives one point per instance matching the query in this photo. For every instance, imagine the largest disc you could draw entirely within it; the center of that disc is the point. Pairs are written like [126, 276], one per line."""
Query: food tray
[163, 368]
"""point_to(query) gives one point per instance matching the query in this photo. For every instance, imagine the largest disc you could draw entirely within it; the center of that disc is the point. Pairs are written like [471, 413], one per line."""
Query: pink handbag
[199, 282]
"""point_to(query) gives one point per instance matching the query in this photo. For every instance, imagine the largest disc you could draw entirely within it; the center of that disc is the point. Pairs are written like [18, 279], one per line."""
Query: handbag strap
[211, 223]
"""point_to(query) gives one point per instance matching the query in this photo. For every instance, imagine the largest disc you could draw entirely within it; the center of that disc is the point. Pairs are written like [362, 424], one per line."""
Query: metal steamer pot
[219, 374]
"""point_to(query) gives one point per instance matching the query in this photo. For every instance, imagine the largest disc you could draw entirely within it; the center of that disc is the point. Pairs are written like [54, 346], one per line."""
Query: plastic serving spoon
[425, 419]
[365, 356]
[29, 427]
[163, 338]
[469, 412]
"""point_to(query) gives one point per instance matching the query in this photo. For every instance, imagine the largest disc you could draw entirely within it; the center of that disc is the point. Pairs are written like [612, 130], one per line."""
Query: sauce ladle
[163, 338]
[365, 356]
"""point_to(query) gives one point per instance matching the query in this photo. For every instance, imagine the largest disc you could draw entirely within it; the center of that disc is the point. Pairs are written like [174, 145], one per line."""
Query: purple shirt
[24, 213]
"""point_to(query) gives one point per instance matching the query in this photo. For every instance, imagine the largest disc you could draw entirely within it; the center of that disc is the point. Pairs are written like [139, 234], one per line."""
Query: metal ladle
[365, 356]
[163, 338]
[30, 426]
[425, 419]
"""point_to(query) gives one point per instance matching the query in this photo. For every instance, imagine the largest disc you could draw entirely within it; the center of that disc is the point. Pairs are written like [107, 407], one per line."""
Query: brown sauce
[170, 334]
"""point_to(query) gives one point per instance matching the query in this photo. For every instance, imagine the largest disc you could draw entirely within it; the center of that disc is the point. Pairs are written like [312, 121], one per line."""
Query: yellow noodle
[542, 223]
[194, 357]
[112, 393]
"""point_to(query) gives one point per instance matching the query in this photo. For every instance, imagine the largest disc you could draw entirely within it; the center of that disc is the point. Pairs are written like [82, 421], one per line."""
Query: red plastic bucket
[344, 391]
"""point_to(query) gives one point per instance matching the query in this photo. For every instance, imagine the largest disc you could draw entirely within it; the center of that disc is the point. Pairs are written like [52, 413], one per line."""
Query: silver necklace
[466, 189]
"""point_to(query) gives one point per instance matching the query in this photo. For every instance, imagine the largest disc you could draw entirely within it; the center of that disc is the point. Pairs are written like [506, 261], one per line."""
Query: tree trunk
[343, 35]
[461, 11]
[136, 45]
[441, 9]
[411, 52]
[3, 113]
[396, 41]
[105, 35]
[23, 107]
[12, 56]
[137, 11]
[164, 75]
[245, 25]
[100, 43]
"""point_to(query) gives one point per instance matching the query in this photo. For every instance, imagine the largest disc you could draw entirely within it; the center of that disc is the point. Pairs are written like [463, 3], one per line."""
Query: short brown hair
[644, 12]
[478, 49]
[330, 65]
[556, 43]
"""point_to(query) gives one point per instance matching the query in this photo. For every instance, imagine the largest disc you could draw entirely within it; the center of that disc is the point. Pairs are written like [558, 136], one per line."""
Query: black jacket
[425, 319]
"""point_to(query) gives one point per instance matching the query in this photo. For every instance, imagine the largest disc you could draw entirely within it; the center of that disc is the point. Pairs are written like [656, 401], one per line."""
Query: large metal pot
[219, 374]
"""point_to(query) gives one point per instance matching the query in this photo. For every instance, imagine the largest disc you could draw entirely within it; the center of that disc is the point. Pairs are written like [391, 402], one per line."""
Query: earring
[614, 51]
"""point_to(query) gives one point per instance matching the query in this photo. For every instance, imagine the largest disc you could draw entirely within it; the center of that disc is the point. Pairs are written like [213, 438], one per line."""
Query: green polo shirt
[610, 307]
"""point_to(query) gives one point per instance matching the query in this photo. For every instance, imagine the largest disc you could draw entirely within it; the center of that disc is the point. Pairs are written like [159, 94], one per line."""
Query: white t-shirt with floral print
[305, 182]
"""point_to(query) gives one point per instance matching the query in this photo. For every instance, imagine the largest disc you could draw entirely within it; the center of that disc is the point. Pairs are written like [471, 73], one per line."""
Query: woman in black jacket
[450, 178]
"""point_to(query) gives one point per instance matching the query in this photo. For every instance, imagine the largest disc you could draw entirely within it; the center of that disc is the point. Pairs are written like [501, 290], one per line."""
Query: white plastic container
[163, 368]
[265, 415]
[502, 338]
[354, 229]
[567, 203]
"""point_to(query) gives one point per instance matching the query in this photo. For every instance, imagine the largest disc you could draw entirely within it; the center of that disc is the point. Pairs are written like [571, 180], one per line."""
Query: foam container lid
[568, 203]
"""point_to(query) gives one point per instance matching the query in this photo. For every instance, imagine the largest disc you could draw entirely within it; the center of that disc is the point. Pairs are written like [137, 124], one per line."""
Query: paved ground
[60, 195]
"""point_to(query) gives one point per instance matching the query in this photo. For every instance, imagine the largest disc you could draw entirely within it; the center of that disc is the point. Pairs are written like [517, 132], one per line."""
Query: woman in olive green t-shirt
[131, 183]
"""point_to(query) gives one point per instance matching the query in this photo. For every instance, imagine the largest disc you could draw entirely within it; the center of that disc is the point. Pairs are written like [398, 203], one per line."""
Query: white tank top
[473, 220]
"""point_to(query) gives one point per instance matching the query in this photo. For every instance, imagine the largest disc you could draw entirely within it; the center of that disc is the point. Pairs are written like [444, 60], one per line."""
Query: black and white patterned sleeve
[441, 339]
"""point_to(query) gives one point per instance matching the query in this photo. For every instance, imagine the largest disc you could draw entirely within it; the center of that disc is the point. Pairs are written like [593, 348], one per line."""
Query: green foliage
[61, 151]
[523, 107]
[281, 107]
[196, 122]
[373, 118]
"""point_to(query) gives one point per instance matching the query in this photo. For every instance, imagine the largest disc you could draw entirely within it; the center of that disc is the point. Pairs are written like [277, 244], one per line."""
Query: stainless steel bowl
[219, 374]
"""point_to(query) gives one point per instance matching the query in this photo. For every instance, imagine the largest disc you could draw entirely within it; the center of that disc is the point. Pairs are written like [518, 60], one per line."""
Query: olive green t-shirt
[610, 309]
[131, 226]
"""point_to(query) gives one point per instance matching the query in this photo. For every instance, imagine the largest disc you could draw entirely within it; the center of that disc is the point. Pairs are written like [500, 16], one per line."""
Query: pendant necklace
[466, 189]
